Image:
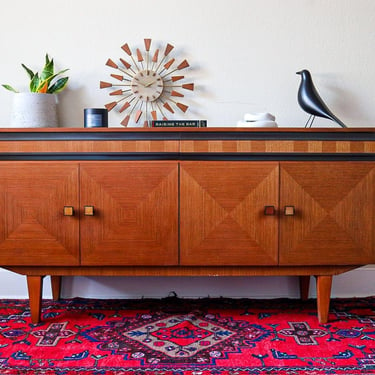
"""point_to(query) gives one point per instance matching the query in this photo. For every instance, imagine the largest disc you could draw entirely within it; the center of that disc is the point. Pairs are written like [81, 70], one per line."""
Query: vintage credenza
[186, 202]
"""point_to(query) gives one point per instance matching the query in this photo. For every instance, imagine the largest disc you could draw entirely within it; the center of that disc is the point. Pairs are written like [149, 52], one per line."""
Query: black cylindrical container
[96, 118]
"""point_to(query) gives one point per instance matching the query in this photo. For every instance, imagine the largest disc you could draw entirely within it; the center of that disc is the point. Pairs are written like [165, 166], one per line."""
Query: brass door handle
[269, 210]
[68, 211]
[88, 210]
[289, 211]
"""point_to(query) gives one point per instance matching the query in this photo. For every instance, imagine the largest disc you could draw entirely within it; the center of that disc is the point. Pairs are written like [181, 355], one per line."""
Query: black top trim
[198, 134]
[211, 156]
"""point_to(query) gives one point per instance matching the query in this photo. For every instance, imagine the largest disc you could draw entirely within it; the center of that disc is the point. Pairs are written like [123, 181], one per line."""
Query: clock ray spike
[105, 84]
[111, 63]
[125, 106]
[154, 115]
[117, 92]
[110, 106]
[121, 92]
[168, 107]
[127, 49]
[125, 121]
[155, 57]
[138, 113]
[176, 93]
[137, 116]
[147, 44]
[168, 49]
[127, 66]
[188, 86]
[183, 107]
[140, 57]
[119, 78]
[183, 65]
[125, 63]
[167, 65]
[176, 78]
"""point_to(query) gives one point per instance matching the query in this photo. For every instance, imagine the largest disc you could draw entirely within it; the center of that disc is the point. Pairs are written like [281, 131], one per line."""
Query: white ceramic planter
[34, 110]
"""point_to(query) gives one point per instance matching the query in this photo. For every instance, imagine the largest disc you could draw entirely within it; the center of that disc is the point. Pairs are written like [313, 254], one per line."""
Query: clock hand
[138, 82]
[150, 83]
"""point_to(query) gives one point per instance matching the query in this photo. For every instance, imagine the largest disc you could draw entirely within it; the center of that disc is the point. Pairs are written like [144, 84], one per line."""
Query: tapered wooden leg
[56, 287]
[323, 291]
[304, 285]
[35, 285]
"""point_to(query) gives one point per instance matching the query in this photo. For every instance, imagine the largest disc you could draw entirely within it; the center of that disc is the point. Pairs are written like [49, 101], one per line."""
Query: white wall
[244, 55]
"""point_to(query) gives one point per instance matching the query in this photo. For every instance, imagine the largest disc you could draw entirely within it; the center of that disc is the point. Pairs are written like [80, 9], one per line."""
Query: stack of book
[179, 123]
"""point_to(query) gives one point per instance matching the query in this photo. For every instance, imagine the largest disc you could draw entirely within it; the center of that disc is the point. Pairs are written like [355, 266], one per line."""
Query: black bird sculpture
[311, 102]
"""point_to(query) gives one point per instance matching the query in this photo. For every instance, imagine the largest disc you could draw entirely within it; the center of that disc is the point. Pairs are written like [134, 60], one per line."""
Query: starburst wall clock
[148, 86]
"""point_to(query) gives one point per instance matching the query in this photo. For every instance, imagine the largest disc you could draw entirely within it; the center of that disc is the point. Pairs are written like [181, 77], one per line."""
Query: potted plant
[37, 108]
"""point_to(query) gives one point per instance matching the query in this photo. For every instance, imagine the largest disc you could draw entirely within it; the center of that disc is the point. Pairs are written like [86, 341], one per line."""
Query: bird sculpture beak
[298, 72]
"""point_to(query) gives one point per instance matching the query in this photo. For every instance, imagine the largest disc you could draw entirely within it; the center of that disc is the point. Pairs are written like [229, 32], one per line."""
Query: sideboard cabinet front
[135, 213]
[33, 228]
[228, 213]
[334, 213]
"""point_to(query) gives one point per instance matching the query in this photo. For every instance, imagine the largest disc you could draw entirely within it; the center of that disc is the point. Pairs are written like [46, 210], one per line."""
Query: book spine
[179, 123]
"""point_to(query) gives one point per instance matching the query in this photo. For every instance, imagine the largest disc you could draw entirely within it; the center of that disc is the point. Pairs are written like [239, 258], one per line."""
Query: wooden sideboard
[186, 202]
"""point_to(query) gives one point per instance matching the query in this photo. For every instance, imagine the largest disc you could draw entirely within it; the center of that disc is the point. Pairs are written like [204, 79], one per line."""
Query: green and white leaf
[47, 71]
[34, 83]
[58, 86]
[10, 88]
[29, 71]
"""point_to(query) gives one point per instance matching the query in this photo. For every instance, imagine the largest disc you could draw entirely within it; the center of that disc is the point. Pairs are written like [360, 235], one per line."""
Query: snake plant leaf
[34, 83]
[47, 71]
[10, 88]
[58, 86]
[29, 71]
[43, 87]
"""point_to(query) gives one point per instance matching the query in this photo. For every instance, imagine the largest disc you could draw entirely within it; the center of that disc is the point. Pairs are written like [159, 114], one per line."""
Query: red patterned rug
[176, 336]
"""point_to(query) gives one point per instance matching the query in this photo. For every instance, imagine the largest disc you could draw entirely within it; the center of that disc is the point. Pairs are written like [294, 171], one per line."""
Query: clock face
[148, 85]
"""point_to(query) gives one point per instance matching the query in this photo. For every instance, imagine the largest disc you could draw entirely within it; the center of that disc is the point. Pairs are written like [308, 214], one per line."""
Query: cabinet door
[135, 213]
[222, 220]
[334, 213]
[33, 228]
